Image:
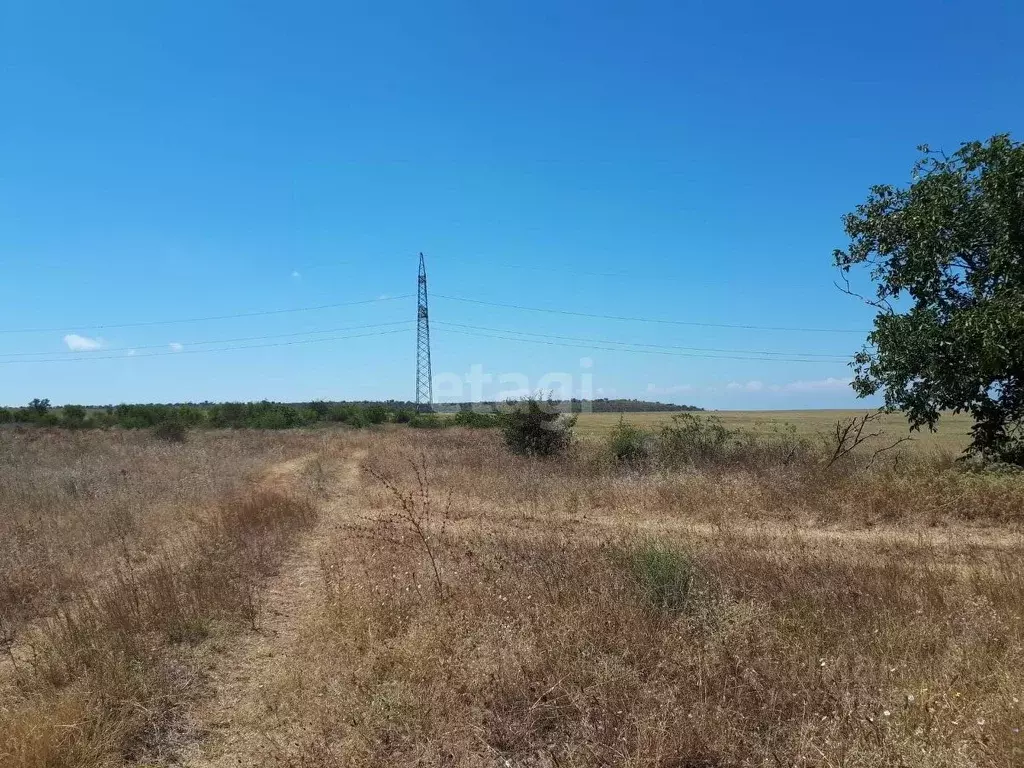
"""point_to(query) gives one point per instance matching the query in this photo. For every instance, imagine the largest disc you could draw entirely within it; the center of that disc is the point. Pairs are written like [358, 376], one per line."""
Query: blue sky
[665, 160]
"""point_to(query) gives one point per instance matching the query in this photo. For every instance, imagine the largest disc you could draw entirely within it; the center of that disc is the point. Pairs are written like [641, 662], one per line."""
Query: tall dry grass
[120, 554]
[73, 502]
[481, 609]
[489, 610]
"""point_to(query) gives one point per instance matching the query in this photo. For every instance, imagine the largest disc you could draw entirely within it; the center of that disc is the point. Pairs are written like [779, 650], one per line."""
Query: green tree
[946, 254]
[39, 407]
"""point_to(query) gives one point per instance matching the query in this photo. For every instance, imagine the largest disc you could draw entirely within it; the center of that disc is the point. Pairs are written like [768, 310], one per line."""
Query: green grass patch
[668, 577]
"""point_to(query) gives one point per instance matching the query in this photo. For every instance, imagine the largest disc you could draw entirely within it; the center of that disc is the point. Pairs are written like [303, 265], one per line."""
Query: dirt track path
[236, 721]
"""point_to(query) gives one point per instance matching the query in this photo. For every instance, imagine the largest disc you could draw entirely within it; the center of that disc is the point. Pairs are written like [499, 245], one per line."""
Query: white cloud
[175, 346]
[384, 296]
[131, 353]
[830, 384]
[746, 386]
[816, 385]
[296, 275]
[78, 343]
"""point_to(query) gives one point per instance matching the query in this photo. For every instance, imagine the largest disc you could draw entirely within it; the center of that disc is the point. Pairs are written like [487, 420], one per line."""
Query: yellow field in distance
[953, 433]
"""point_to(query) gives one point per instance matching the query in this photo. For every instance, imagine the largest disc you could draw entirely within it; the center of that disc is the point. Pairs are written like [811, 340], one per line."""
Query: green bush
[630, 445]
[102, 418]
[189, 415]
[668, 577]
[321, 409]
[340, 414]
[171, 432]
[375, 414]
[357, 419]
[404, 416]
[692, 439]
[533, 427]
[474, 420]
[274, 416]
[140, 416]
[426, 421]
[223, 415]
[74, 417]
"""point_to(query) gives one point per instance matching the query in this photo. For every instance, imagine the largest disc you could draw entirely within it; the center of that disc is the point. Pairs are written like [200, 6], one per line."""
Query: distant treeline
[271, 415]
[260, 415]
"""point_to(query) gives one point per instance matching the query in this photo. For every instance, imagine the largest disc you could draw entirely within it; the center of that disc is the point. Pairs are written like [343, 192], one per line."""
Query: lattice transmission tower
[424, 390]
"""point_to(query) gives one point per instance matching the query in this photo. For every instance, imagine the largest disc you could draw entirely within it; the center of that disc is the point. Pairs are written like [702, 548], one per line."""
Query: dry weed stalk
[416, 514]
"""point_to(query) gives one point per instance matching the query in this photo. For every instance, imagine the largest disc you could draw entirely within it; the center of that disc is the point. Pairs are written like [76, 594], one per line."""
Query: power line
[568, 270]
[646, 319]
[85, 353]
[176, 353]
[259, 313]
[826, 357]
[477, 261]
[621, 346]
[640, 351]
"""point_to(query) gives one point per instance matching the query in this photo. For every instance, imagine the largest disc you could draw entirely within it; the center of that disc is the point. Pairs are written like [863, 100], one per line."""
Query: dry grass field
[422, 597]
[953, 432]
[118, 552]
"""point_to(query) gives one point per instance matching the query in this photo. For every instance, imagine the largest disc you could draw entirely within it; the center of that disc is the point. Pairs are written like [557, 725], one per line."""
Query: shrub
[357, 419]
[140, 416]
[227, 415]
[267, 415]
[475, 420]
[171, 432]
[308, 417]
[667, 576]
[404, 416]
[73, 416]
[102, 418]
[628, 444]
[375, 414]
[340, 414]
[694, 439]
[189, 415]
[425, 421]
[321, 408]
[532, 427]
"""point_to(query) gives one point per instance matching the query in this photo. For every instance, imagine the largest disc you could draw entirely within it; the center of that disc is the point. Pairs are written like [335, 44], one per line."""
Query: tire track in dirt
[17, 647]
[235, 721]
